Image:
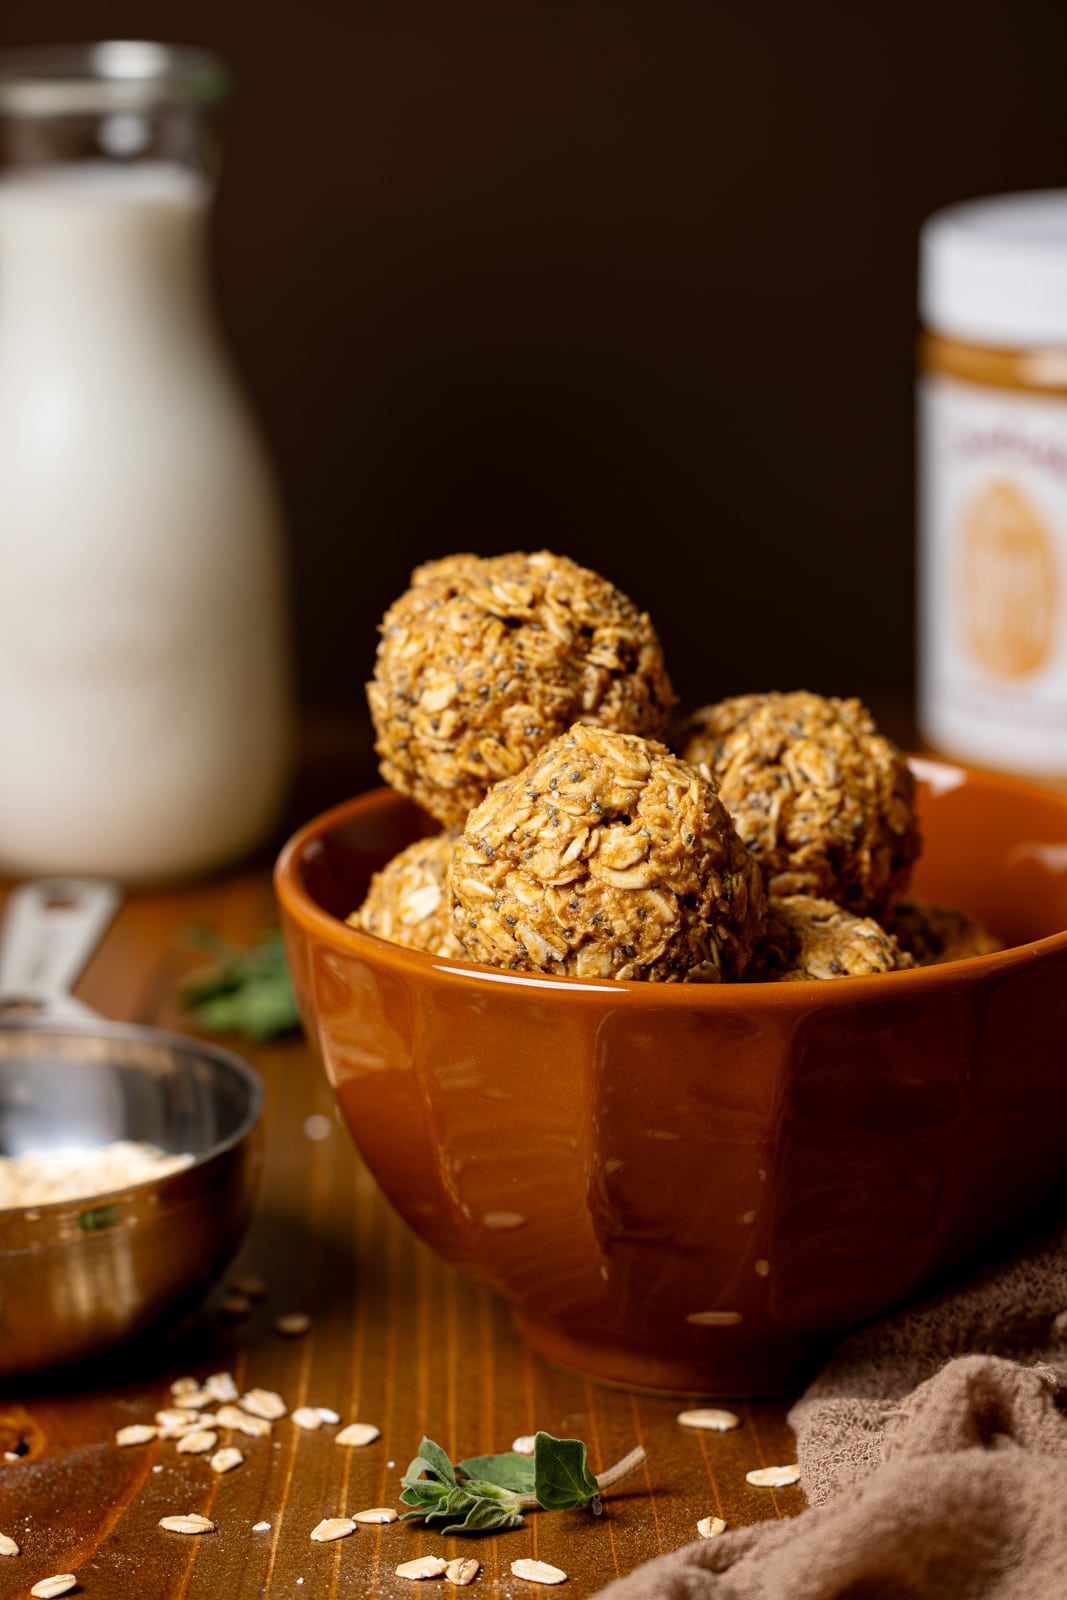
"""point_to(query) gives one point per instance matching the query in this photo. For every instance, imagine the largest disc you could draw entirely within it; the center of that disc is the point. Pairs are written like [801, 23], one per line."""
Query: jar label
[993, 575]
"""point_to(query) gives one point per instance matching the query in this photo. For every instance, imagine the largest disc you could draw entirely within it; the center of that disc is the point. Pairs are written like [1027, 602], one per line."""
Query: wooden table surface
[396, 1339]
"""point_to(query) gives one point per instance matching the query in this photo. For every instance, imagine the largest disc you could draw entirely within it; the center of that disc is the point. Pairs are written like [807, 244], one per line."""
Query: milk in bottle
[144, 693]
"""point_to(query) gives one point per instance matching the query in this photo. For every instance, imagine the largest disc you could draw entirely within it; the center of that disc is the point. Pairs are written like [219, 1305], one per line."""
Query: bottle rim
[109, 75]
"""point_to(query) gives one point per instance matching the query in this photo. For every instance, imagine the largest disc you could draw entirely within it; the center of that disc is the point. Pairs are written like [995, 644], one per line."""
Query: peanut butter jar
[992, 503]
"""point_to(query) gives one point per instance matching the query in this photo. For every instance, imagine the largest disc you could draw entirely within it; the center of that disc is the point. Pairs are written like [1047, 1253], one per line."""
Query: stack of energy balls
[522, 700]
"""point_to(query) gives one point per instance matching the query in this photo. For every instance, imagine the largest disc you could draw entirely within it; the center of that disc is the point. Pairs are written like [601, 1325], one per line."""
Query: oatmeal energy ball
[409, 902]
[934, 934]
[811, 938]
[608, 857]
[820, 797]
[484, 660]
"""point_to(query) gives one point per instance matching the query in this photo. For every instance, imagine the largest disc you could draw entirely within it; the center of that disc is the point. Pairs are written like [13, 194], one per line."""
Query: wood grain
[397, 1339]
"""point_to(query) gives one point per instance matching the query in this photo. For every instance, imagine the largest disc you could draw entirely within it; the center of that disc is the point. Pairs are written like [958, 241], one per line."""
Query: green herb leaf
[510, 1470]
[561, 1473]
[494, 1490]
[486, 1516]
[243, 991]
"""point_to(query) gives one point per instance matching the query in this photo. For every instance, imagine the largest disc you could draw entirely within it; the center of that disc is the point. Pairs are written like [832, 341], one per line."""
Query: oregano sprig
[484, 1494]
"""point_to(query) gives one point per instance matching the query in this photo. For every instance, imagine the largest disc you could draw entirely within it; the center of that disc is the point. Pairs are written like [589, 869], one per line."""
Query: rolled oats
[226, 1459]
[192, 1522]
[537, 1571]
[197, 1443]
[409, 901]
[48, 1588]
[934, 934]
[824, 802]
[358, 1433]
[375, 1514]
[306, 1417]
[461, 1571]
[607, 857]
[242, 1422]
[264, 1403]
[709, 1417]
[811, 938]
[292, 1324]
[8, 1547]
[332, 1528]
[136, 1433]
[773, 1477]
[483, 661]
[422, 1567]
[43, 1177]
[710, 1527]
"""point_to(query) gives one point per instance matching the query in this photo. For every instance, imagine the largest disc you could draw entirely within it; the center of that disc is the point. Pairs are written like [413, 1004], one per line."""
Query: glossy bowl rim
[101, 1027]
[797, 994]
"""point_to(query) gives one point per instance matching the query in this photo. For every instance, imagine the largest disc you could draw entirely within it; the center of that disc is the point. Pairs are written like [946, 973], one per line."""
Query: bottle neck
[94, 254]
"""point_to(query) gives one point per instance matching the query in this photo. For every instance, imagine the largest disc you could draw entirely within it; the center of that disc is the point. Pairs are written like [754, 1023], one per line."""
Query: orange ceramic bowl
[694, 1188]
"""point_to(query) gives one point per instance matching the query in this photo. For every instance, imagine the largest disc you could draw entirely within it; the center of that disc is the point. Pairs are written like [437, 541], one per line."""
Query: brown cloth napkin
[933, 1452]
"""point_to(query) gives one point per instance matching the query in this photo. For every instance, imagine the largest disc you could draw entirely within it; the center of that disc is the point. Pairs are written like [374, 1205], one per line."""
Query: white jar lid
[994, 271]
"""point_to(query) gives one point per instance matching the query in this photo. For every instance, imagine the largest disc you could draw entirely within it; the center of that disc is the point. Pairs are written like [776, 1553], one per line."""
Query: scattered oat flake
[221, 1387]
[8, 1547]
[422, 1567]
[226, 1459]
[264, 1403]
[375, 1514]
[184, 1386]
[463, 1570]
[358, 1433]
[192, 1522]
[136, 1433]
[292, 1324]
[194, 1399]
[170, 1417]
[261, 1527]
[61, 1583]
[537, 1571]
[332, 1528]
[327, 1414]
[306, 1417]
[234, 1306]
[249, 1284]
[197, 1443]
[524, 1444]
[242, 1421]
[715, 1421]
[710, 1527]
[773, 1477]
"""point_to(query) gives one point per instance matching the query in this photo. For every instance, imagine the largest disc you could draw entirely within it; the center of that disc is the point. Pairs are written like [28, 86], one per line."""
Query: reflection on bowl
[78, 1277]
[688, 1187]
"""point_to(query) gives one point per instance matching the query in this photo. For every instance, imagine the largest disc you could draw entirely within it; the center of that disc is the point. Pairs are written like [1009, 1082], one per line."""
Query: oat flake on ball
[811, 938]
[485, 659]
[822, 799]
[409, 902]
[608, 857]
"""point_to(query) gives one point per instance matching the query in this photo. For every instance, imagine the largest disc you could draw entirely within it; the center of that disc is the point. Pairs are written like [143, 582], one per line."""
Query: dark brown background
[632, 281]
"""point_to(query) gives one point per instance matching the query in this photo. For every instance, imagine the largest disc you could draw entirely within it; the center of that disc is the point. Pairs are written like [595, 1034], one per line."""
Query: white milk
[144, 715]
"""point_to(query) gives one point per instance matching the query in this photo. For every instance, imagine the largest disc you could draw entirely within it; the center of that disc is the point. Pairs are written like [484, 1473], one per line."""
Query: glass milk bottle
[144, 686]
